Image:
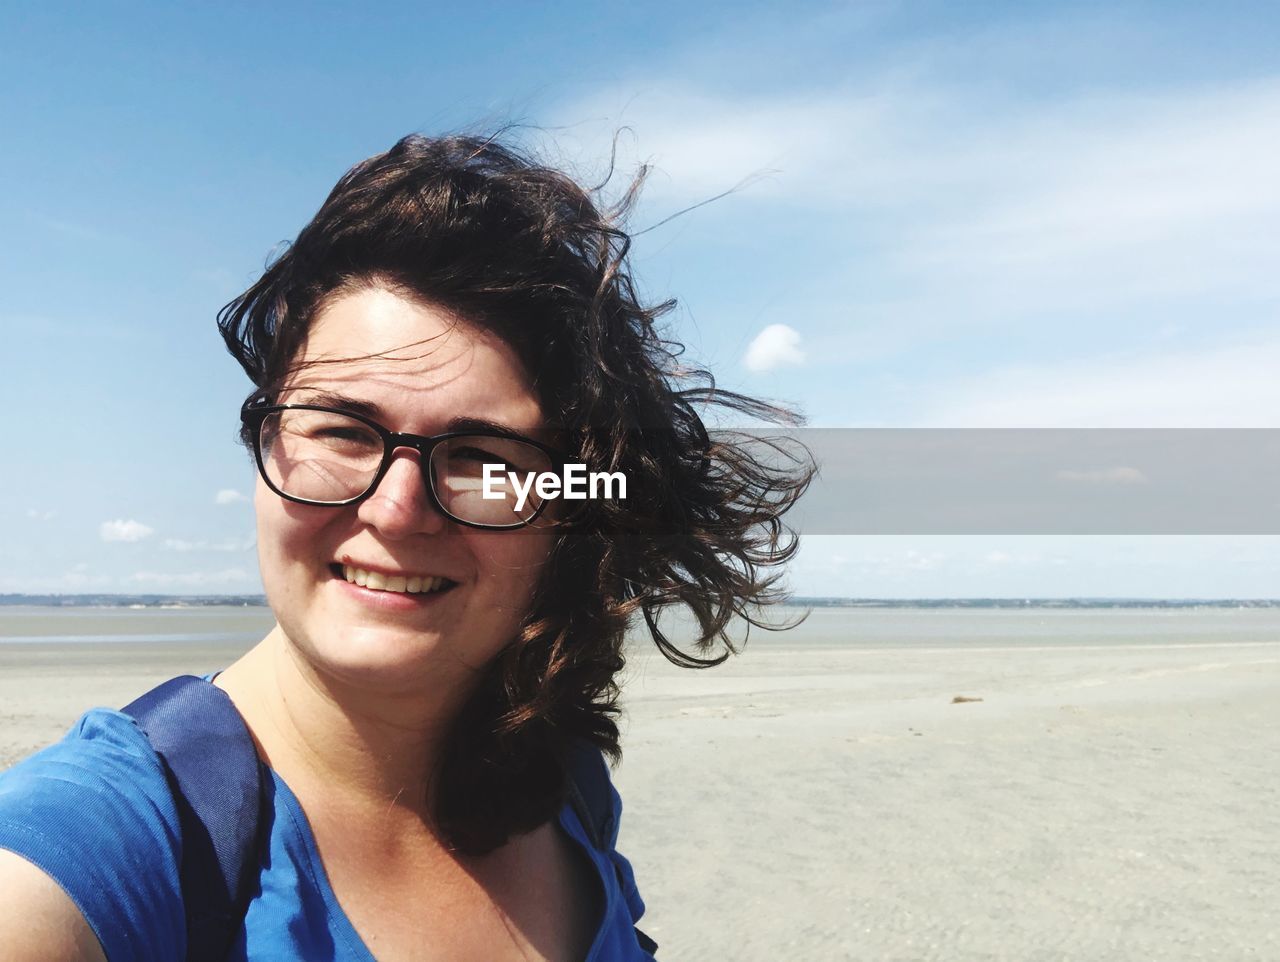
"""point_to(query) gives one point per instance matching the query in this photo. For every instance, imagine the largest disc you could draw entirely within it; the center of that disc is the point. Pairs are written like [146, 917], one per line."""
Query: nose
[400, 506]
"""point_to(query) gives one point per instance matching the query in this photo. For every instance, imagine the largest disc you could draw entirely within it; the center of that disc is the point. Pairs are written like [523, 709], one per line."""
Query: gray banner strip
[1037, 481]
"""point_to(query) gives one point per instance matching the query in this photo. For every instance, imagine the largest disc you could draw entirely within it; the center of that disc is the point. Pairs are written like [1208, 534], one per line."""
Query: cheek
[287, 533]
[271, 553]
[513, 563]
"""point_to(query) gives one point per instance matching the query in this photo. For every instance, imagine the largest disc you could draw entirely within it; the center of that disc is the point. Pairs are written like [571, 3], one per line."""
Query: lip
[348, 561]
[390, 600]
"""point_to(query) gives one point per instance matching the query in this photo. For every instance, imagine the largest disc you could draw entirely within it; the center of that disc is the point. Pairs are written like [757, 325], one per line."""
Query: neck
[361, 747]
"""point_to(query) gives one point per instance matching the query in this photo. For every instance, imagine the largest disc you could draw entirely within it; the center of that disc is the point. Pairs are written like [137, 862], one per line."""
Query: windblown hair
[475, 227]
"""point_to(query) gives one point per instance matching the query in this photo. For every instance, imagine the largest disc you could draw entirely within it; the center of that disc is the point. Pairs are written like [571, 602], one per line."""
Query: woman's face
[431, 372]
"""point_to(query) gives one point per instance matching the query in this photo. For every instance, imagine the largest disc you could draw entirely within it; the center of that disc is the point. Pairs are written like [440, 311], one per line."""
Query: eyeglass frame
[253, 414]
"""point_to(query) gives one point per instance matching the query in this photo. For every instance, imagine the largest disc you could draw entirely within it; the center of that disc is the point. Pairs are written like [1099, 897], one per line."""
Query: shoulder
[101, 741]
[104, 767]
[95, 814]
[597, 805]
[592, 796]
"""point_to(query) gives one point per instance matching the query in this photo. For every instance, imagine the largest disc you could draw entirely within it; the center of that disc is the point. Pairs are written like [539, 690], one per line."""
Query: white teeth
[412, 584]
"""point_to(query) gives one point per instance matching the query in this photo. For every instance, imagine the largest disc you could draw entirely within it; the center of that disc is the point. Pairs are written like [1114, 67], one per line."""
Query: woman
[455, 321]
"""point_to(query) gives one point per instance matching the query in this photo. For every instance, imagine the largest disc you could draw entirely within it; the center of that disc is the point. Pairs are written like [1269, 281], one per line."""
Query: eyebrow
[375, 413]
[341, 401]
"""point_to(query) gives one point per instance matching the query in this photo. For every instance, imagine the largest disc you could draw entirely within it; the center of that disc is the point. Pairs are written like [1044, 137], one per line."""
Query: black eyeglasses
[317, 455]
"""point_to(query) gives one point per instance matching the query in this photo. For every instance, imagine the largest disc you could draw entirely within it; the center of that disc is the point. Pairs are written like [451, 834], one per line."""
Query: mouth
[411, 584]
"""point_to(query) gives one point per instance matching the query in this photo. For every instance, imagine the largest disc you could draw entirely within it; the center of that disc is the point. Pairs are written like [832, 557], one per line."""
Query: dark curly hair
[476, 227]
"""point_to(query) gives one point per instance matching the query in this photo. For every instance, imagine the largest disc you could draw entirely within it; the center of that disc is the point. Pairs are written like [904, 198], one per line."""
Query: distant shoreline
[259, 601]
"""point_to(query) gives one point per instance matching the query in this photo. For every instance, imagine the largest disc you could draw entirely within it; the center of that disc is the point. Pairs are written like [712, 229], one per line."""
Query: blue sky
[959, 215]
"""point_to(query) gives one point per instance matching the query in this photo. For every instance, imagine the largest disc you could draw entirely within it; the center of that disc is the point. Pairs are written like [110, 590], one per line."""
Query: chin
[389, 659]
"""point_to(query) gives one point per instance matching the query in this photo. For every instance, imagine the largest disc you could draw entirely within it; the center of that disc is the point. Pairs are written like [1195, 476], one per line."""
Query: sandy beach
[838, 805]
[1101, 801]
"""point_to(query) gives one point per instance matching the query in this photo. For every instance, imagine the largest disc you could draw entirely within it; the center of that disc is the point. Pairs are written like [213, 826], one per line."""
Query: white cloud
[701, 141]
[1117, 475]
[888, 141]
[229, 577]
[1233, 386]
[913, 560]
[951, 208]
[776, 345]
[80, 578]
[39, 515]
[229, 496]
[121, 530]
[226, 544]
[1110, 200]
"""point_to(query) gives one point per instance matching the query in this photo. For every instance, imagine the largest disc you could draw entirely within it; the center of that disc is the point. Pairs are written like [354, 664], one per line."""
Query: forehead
[417, 362]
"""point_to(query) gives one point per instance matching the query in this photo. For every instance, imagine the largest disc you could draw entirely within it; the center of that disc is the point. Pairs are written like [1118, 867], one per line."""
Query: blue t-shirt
[94, 811]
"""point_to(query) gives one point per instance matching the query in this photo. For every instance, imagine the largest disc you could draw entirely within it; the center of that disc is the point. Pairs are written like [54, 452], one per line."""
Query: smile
[406, 584]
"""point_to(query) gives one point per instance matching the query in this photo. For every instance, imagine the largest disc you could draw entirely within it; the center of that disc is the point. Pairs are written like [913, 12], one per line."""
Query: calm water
[825, 627]
[164, 625]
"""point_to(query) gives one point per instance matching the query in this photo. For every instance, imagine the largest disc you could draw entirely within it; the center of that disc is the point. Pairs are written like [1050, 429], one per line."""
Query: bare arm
[38, 920]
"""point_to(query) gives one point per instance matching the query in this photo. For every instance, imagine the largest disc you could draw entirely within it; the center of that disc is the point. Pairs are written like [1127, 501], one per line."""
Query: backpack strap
[216, 778]
[591, 797]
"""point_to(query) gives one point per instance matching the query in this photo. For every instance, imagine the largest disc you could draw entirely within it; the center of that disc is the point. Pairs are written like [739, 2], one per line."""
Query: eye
[331, 430]
[354, 434]
[471, 454]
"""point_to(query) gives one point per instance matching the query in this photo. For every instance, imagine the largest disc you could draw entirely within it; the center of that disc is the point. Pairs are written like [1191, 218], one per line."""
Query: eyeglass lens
[327, 457]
